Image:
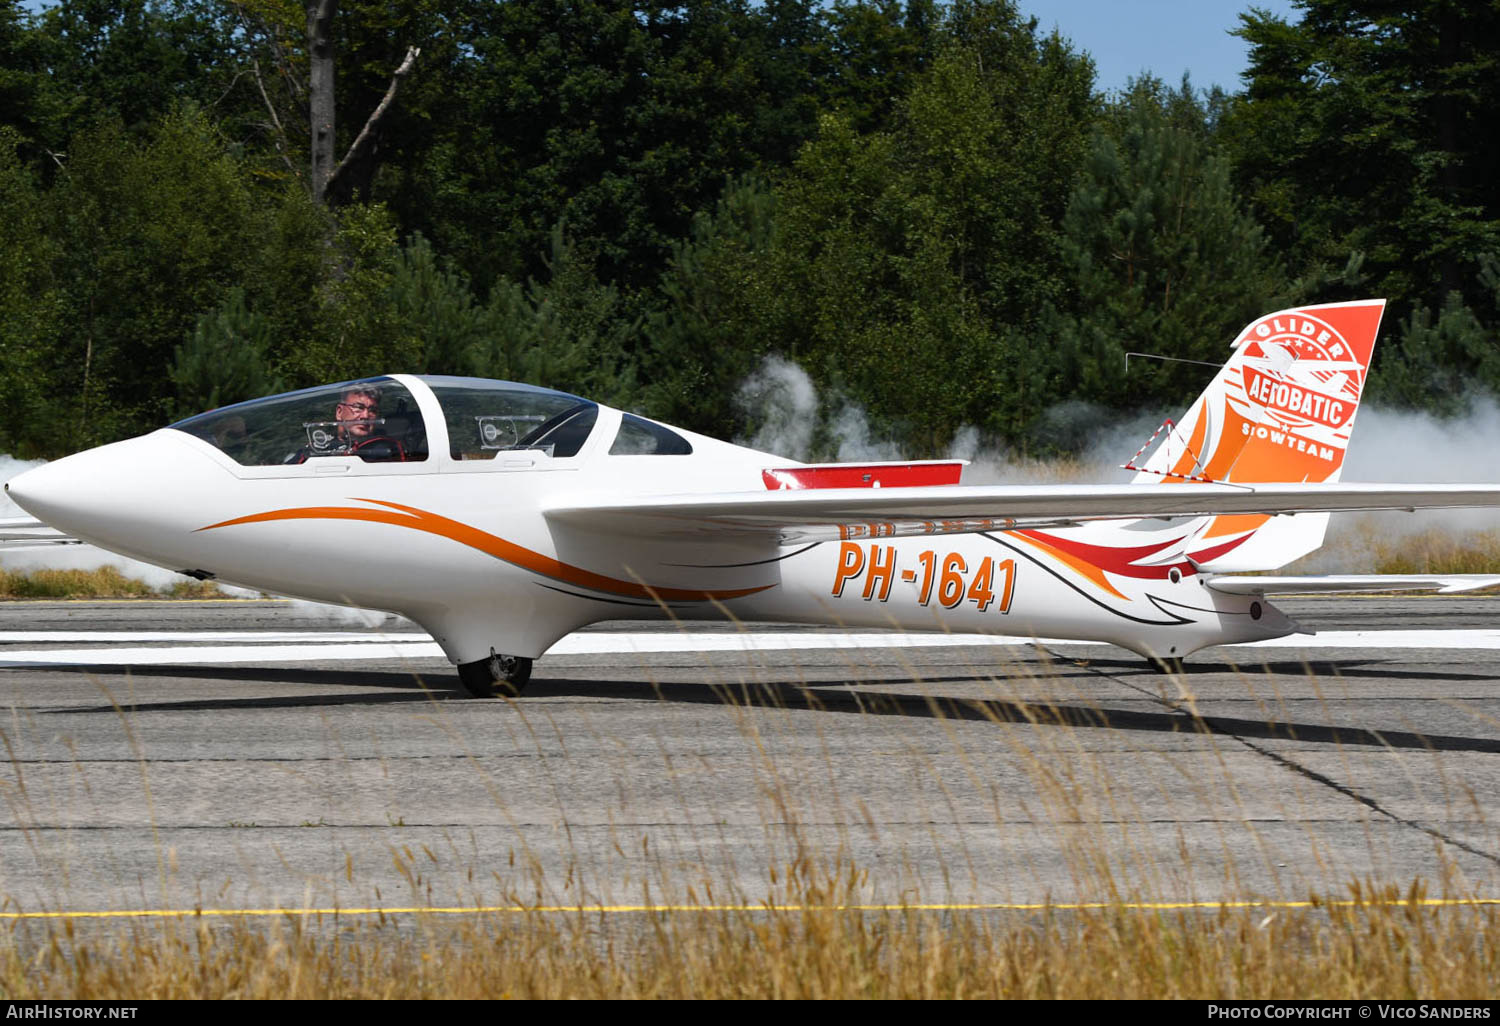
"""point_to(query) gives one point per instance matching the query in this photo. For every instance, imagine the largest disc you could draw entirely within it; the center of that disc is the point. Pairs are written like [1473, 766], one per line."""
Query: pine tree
[226, 360]
[712, 326]
[1369, 127]
[1165, 259]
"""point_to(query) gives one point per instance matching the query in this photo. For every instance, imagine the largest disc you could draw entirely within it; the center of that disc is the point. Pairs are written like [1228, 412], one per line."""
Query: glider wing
[831, 514]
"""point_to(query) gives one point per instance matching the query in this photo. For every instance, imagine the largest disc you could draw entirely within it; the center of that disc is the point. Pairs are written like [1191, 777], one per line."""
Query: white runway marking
[268, 655]
[307, 637]
[289, 646]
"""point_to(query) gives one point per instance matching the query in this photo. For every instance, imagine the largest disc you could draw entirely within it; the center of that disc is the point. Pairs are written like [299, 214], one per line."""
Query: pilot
[356, 413]
[357, 416]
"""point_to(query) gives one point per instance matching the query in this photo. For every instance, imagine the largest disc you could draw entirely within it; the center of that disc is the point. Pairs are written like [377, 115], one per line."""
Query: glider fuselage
[464, 547]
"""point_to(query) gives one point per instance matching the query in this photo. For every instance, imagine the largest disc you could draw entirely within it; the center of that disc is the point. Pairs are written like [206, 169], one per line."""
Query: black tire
[495, 676]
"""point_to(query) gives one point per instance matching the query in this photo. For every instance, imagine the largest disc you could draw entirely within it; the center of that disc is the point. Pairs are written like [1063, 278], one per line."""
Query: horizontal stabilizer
[1445, 584]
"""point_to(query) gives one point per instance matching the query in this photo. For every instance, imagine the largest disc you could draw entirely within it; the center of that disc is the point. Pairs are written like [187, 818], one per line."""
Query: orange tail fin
[1281, 409]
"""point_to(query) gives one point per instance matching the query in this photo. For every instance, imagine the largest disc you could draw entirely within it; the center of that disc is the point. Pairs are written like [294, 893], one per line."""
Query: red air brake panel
[864, 475]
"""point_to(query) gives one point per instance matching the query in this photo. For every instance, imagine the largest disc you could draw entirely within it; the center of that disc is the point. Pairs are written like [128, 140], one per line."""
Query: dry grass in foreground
[1379, 945]
[1376, 942]
[104, 583]
[1439, 552]
[1383, 543]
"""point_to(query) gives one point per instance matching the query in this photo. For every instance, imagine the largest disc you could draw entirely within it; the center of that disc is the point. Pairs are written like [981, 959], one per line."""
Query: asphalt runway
[260, 755]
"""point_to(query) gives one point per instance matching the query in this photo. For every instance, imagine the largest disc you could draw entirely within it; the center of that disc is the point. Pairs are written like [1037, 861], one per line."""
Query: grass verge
[106, 582]
[1439, 552]
[1374, 943]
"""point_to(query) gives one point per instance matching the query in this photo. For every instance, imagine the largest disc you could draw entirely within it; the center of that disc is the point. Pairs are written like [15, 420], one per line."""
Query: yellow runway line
[1056, 906]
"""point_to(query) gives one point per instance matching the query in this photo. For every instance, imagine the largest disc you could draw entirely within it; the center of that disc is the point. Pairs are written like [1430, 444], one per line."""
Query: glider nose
[117, 495]
[50, 492]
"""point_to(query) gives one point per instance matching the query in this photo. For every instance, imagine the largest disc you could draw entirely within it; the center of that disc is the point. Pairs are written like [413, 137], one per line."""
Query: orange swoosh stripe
[1227, 524]
[1083, 566]
[509, 552]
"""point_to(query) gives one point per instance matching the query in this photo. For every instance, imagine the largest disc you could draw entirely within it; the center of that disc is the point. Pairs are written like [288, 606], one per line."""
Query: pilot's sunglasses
[360, 407]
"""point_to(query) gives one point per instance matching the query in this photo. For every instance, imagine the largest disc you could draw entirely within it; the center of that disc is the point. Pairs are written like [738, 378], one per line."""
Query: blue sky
[1165, 37]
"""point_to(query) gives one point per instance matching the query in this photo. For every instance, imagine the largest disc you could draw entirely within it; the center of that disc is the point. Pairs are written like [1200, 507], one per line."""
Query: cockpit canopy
[375, 419]
[379, 421]
[487, 417]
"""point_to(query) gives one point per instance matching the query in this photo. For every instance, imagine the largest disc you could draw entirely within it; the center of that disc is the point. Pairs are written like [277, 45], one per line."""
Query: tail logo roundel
[1302, 373]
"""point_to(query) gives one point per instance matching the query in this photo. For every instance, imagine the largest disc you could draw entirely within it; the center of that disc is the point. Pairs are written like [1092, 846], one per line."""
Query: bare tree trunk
[331, 179]
[320, 92]
[359, 163]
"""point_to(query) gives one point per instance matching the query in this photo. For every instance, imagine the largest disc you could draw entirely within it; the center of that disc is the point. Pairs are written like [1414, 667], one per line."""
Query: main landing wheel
[498, 675]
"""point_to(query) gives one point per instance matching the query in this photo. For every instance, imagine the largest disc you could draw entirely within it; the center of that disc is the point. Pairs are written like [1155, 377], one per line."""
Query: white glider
[501, 517]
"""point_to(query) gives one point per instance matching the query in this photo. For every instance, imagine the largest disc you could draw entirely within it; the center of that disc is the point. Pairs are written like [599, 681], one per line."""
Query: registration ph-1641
[945, 578]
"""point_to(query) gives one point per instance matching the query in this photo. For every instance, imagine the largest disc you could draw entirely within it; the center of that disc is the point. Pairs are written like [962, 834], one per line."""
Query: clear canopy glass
[375, 419]
[489, 417]
[640, 437]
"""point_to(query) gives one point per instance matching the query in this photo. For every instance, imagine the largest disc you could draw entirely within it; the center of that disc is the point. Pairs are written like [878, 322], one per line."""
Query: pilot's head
[357, 411]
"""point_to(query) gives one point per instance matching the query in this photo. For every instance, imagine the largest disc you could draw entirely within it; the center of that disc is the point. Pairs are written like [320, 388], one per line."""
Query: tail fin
[1281, 409]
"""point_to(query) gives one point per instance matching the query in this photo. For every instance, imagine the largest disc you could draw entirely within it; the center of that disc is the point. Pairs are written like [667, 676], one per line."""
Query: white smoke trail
[783, 402]
[851, 428]
[1393, 446]
[1408, 447]
[1420, 447]
[1103, 439]
[781, 399]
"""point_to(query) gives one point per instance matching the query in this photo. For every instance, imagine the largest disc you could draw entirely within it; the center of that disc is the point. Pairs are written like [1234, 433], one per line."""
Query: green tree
[878, 48]
[1368, 127]
[226, 360]
[355, 327]
[1163, 256]
[434, 305]
[714, 322]
[28, 103]
[1442, 362]
[568, 330]
[913, 264]
[149, 234]
[619, 119]
[32, 313]
[131, 61]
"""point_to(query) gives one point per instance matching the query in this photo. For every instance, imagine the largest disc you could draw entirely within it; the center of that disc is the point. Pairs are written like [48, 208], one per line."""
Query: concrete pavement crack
[1207, 725]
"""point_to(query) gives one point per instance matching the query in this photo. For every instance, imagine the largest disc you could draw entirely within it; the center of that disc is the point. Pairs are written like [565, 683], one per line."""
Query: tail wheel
[496, 676]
